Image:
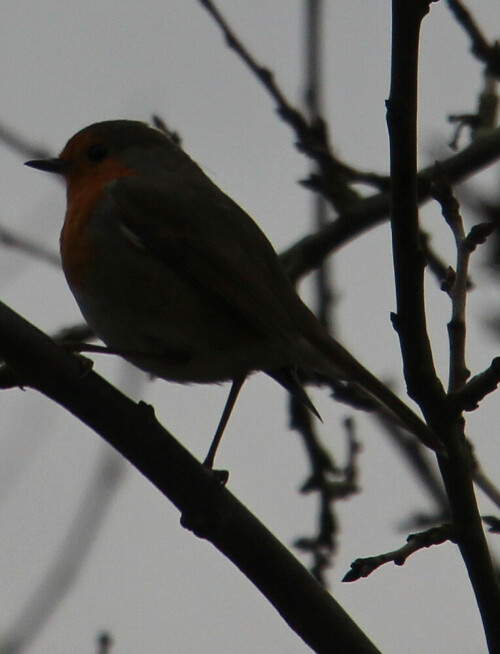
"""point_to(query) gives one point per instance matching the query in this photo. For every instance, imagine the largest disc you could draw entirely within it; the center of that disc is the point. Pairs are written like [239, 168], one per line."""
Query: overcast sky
[153, 585]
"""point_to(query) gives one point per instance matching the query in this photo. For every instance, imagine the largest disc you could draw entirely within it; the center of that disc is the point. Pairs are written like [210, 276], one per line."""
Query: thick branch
[410, 322]
[208, 509]
[419, 369]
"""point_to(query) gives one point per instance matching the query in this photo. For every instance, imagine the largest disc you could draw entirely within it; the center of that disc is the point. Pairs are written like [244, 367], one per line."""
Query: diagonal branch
[488, 54]
[21, 145]
[476, 389]
[10, 239]
[70, 556]
[415, 542]
[208, 509]
[312, 135]
[290, 114]
[372, 211]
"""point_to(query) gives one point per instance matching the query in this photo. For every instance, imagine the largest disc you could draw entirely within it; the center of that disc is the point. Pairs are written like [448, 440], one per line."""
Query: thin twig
[289, 113]
[330, 482]
[313, 103]
[457, 284]
[36, 250]
[371, 211]
[312, 136]
[435, 536]
[469, 397]
[489, 54]
[486, 117]
[322, 545]
[68, 561]
[21, 145]
[490, 489]
[104, 643]
[161, 125]
[416, 456]
[434, 262]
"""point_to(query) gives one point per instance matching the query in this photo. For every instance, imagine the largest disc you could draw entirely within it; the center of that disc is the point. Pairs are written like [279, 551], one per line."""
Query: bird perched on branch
[173, 275]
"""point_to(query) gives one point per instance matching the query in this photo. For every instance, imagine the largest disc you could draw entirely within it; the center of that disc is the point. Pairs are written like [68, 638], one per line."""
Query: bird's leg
[230, 402]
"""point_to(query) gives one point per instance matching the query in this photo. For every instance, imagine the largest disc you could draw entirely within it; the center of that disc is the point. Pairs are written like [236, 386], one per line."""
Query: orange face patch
[85, 184]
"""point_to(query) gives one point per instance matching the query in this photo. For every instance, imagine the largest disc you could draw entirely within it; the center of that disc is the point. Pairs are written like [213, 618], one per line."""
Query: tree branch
[476, 389]
[70, 556]
[410, 321]
[369, 212]
[420, 374]
[208, 509]
[488, 54]
[435, 536]
[312, 135]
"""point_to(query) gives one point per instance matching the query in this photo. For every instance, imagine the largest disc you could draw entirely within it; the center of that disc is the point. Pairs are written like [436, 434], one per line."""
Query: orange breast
[85, 187]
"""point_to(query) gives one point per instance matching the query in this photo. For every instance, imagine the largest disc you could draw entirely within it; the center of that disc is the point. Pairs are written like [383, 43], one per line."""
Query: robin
[173, 275]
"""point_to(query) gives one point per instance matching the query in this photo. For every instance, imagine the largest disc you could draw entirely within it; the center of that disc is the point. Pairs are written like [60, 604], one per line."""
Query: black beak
[58, 166]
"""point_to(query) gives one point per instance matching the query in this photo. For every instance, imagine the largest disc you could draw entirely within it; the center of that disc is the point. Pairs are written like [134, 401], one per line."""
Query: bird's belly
[169, 326]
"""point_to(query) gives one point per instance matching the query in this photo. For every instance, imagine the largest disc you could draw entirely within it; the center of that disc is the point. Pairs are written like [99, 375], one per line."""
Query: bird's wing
[194, 228]
[200, 232]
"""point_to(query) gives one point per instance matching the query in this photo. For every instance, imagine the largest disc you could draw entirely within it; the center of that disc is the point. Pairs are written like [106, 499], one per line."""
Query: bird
[173, 275]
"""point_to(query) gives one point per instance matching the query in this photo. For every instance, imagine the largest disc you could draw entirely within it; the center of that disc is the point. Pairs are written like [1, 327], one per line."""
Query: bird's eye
[97, 152]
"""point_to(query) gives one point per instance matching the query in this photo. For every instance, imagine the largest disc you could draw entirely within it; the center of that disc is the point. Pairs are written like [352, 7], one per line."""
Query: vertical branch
[423, 384]
[410, 323]
[322, 545]
[456, 284]
[314, 108]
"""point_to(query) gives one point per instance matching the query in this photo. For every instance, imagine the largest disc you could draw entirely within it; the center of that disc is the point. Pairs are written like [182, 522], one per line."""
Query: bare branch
[493, 523]
[104, 643]
[434, 262]
[486, 117]
[313, 102]
[21, 145]
[422, 381]
[312, 136]
[410, 323]
[418, 460]
[161, 125]
[468, 398]
[488, 54]
[415, 542]
[371, 211]
[330, 482]
[36, 250]
[491, 491]
[208, 509]
[71, 556]
[457, 286]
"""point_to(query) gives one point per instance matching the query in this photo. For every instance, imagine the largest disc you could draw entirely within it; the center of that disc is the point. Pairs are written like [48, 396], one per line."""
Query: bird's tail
[330, 358]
